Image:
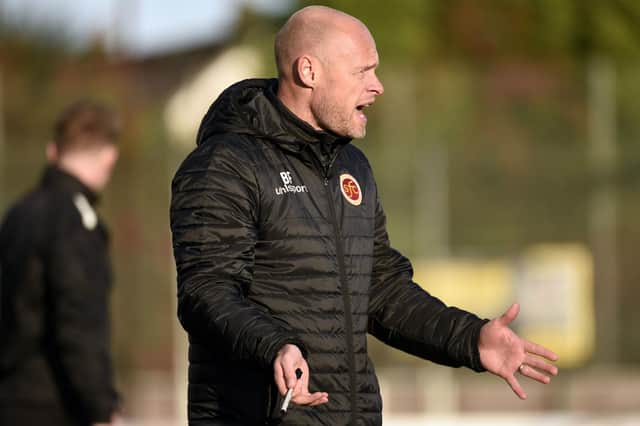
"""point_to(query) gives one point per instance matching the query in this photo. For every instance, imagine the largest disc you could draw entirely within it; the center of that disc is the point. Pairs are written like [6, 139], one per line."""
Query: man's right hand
[284, 367]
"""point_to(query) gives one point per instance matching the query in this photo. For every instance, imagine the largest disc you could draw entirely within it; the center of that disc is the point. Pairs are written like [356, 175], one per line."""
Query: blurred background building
[506, 148]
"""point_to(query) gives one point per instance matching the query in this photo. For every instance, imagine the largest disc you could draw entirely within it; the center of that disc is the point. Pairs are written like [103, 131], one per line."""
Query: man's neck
[78, 168]
[296, 102]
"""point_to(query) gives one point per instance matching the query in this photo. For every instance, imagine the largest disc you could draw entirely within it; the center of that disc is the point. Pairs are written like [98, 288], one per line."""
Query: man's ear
[51, 152]
[307, 71]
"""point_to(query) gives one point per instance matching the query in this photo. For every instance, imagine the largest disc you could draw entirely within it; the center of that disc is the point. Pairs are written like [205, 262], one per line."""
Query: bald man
[282, 253]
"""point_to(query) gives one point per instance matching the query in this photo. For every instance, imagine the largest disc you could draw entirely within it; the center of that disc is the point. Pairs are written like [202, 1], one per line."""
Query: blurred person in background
[55, 280]
[282, 252]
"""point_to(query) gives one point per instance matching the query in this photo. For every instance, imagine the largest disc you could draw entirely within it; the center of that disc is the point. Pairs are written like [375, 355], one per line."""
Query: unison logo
[288, 186]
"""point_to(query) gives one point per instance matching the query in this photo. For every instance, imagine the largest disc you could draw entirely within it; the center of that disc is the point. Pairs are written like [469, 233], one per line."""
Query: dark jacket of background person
[268, 252]
[54, 351]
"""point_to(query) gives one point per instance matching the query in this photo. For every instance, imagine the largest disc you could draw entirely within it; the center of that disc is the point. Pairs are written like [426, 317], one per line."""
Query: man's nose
[377, 86]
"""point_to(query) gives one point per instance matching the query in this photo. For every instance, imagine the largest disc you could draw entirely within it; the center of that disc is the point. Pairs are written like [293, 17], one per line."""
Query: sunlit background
[506, 148]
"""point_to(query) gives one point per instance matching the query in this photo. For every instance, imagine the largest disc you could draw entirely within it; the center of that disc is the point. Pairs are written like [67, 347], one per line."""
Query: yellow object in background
[482, 287]
[552, 282]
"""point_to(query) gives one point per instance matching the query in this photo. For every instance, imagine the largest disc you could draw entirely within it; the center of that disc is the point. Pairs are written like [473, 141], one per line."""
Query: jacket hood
[251, 107]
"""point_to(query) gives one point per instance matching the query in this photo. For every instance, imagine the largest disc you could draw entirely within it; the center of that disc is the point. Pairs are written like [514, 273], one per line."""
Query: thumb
[510, 314]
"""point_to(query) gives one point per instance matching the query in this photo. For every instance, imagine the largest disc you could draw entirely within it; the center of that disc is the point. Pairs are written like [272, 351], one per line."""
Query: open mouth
[360, 108]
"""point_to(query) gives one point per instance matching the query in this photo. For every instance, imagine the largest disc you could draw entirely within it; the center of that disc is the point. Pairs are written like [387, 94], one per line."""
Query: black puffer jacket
[279, 237]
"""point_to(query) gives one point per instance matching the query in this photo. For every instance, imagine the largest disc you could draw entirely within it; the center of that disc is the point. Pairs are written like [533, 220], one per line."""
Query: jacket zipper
[343, 284]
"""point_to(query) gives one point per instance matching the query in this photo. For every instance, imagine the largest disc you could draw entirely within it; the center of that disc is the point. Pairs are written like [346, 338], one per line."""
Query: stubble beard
[331, 118]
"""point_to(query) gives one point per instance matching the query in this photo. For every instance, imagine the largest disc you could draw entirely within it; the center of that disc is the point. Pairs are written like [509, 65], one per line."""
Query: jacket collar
[55, 177]
[252, 107]
[298, 128]
[323, 145]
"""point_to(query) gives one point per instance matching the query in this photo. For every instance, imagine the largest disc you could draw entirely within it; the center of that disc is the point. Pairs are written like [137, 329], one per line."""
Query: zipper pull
[326, 181]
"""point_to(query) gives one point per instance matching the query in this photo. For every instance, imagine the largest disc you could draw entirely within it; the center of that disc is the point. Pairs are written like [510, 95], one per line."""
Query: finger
[534, 374]
[278, 376]
[302, 384]
[515, 386]
[290, 378]
[323, 400]
[540, 350]
[319, 398]
[306, 399]
[539, 364]
[510, 314]
[310, 398]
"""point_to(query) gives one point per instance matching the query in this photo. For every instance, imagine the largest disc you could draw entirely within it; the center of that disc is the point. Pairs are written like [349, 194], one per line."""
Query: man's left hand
[504, 353]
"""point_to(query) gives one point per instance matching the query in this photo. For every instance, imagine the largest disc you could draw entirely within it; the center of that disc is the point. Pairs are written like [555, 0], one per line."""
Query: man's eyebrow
[367, 67]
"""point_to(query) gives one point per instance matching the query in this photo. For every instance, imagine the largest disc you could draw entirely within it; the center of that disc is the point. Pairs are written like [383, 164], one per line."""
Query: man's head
[326, 63]
[84, 142]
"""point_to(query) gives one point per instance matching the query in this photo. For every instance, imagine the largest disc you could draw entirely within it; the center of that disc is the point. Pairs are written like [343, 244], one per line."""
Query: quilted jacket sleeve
[405, 316]
[213, 220]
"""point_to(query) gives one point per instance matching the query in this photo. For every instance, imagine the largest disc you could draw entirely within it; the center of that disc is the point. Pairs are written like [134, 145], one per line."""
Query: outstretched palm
[504, 353]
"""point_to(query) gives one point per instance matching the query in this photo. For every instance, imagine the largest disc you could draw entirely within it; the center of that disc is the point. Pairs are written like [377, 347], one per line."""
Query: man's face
[349, 86]
[105, 159]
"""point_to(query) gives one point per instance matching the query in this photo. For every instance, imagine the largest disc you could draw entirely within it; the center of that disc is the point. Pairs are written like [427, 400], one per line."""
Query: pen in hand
[287, 398]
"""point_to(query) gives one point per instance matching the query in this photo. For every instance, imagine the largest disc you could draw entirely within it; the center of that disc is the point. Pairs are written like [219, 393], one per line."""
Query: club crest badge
[350, 189]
